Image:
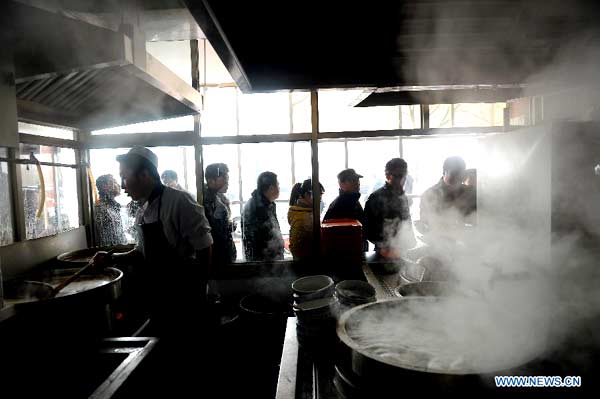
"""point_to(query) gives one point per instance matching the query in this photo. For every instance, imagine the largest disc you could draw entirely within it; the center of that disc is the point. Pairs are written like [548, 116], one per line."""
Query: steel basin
[389, 373]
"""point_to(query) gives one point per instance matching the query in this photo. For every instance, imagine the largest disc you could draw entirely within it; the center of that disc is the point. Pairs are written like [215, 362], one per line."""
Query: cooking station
[307, 374]
[62, 340]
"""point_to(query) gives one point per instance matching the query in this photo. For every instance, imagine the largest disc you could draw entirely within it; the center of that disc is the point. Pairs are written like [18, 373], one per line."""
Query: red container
[341, 238]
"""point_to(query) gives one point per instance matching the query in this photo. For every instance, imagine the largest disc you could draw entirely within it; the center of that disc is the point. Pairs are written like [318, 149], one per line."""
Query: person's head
[349, 181]
[169, 178]
[395, 173]
[302, 193]
[107, 186]
[139, 173]
[470, 178]
[453, 171]
[267, 185]
[217, 177]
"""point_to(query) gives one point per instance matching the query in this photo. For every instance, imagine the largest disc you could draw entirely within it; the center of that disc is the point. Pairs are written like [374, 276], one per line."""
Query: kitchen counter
[301, 376]
[384, 284]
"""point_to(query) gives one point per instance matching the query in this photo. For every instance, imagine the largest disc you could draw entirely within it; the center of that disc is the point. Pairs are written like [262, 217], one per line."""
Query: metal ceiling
[273, 45]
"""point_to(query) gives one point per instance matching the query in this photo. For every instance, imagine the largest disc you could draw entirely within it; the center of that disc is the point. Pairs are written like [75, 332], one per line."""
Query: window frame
[15, 179]
[83, 141]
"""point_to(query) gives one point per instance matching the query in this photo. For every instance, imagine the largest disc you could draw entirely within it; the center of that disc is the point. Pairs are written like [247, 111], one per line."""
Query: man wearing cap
[387, 213]
[218, 213]
[449, 203]
[346, 205]
[174, 242]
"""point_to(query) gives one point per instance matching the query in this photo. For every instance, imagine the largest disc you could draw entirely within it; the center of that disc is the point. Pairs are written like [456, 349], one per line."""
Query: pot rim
[348, 341]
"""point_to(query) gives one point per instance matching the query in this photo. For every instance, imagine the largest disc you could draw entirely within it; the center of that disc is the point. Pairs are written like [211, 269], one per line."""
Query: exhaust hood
[72, 73]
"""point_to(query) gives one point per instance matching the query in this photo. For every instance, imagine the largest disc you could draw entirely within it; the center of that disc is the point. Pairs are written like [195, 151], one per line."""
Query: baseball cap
[348, 175]
[141, 152]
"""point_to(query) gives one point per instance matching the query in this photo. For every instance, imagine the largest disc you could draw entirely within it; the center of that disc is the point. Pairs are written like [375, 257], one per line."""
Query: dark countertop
[7, 312]
[300, 375]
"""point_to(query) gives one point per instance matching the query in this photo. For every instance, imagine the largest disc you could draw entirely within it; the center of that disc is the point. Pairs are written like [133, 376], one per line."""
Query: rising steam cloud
[538, 282]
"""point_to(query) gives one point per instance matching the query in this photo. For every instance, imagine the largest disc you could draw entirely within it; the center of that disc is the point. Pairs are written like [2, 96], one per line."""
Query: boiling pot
[393, 363]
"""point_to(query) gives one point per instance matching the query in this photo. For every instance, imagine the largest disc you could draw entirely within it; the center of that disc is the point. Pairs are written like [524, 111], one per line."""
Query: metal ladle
[74, 277]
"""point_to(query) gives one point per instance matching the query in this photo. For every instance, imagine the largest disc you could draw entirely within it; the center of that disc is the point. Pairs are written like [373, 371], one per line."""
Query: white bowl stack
[314, 308]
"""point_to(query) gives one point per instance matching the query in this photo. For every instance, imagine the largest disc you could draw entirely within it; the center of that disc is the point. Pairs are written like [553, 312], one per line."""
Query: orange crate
[341, 238]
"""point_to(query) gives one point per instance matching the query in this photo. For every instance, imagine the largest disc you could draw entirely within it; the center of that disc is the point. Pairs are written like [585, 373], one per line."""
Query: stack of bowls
[312, 287]
[313, 306]
[351, 293]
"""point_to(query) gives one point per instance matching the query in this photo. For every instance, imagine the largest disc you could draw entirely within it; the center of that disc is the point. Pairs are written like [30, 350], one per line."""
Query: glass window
[410, 116]
[6, 223]
[175, 55]
[59, 197]
[227, 154]
[180, 124]
[40, 130]
[302, 161]
[179, 159]
[300, 108]
[47, 154]
[273, 157]
[337, 113]
[368, 157]
[216, 72]
[3, 153]
[479, 115]
[332, 160]
[466, 115]
[227, 112]
[219, 118]
[264, 113]
[440, 115]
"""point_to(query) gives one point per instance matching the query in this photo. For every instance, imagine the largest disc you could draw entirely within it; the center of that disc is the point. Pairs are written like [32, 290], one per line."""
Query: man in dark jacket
[262, 236]
[449, 204]
[346, 205]
[218, 213]
[387, 213]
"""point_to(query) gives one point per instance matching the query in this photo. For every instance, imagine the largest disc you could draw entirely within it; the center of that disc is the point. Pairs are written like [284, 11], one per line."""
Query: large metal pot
[393, 362]
[103, 286]
[82, 310]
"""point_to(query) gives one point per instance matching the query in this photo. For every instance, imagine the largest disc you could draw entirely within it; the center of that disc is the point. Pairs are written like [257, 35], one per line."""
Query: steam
[426, 338]
[536, 284]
